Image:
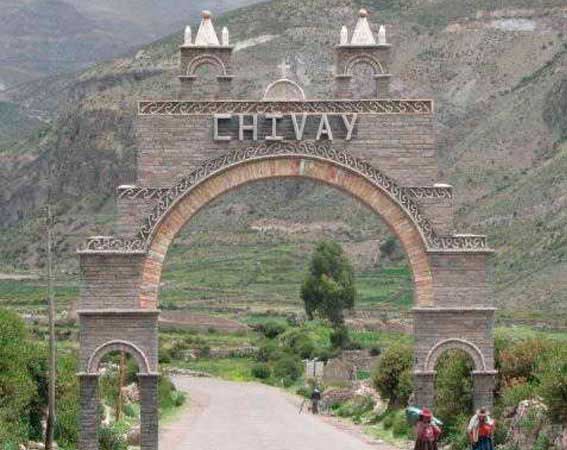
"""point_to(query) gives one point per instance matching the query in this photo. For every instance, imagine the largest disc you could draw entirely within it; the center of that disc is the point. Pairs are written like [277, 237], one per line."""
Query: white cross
[284, 67]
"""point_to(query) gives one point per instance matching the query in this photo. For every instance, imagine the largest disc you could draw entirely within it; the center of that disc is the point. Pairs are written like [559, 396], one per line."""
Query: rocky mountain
[498, 73]
[46, 37]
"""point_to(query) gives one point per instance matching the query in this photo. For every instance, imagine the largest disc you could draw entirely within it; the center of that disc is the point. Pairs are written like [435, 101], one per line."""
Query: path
[249, 416]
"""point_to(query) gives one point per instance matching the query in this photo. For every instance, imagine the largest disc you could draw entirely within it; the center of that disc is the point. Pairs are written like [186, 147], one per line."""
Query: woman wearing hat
[481, 429]
[426, 432]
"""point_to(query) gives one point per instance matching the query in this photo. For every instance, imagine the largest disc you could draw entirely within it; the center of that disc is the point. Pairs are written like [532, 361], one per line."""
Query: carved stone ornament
[403, 196]
[181, 108]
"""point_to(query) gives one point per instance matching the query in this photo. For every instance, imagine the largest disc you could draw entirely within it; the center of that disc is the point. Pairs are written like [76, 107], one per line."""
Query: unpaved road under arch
[225, 415]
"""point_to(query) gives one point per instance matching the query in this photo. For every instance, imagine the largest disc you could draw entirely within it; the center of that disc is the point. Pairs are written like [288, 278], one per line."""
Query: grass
[368, 339]
[231, 369]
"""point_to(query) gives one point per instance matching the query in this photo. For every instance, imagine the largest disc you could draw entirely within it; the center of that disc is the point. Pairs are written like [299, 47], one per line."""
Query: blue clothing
[484, 443]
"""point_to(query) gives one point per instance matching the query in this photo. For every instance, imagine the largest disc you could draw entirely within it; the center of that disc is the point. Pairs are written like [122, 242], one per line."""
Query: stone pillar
[185, 86]
[382, 85]
[483, 388]
[224, 86]
[342, 86]
[89, 416]
[149, 411]
[424, 389]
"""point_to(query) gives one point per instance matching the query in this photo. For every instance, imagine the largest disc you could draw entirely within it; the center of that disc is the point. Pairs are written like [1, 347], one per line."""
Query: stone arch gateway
[193, 150]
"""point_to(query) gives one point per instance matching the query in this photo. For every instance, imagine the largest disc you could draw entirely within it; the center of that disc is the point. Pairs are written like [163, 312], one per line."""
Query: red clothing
[485, 429]
[427, 431]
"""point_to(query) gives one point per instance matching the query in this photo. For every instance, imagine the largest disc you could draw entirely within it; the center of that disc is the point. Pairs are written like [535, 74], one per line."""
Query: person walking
[481, 430]
[426, 432]
[315, 399]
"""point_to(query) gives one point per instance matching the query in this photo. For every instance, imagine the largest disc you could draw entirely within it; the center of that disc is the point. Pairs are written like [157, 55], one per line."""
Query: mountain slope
[497, 75]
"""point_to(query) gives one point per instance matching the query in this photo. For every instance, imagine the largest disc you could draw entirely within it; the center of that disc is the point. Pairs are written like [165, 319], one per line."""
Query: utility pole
[50, 423]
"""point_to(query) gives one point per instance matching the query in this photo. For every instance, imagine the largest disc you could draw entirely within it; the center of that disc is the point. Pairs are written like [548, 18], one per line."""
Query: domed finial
[362, 34]
[206, 36]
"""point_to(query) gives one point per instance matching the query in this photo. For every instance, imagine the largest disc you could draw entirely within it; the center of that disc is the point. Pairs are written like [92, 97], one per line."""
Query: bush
[169, 397]
[375, 350]
[266, 351]
[453, 386]
[519, 360]
[356, 408]
[288, 368]
[514, 393]
[261, 371]
[400, 426]
[67, 393]
[553, 383]
[392, 374]
[272, 329]
[17, 387]
[111, 438]
[299, 342]
[340, 337]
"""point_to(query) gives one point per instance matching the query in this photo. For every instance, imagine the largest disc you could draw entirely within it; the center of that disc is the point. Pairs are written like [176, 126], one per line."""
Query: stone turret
[206, 50]
[362, 49]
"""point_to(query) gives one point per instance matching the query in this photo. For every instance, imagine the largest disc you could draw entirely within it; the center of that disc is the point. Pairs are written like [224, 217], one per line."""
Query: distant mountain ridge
[47, 37]
[500, 88]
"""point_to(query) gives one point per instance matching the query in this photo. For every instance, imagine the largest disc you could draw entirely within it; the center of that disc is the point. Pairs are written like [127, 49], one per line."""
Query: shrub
[288, 367]
[300, 342]
[519, 360]
[453, 386]
[168, 396]
[17, 388]
[266, 351]
[261, 371]
[553, 383]
[272, 329]
[392, 374]
[400, 426]
[111, 438]
[514, 393]
[356, 407]
[67, 392]
[375, 350]
[340, 337]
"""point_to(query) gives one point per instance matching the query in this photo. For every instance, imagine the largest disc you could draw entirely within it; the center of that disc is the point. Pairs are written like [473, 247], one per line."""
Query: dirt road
[249, 416]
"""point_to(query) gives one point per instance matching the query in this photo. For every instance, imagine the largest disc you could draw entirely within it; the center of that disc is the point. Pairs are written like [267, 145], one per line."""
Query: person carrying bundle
[480, 430]
[426, 431]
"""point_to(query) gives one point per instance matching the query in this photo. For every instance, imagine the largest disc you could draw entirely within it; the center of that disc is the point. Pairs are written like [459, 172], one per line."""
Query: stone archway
[380, 194]
[118, 346]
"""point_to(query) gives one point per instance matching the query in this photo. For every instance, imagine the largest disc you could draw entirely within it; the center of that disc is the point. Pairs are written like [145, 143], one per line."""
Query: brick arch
[363, 59]
[455, 344]
[202, 60]
[93, 363]
[166, 225]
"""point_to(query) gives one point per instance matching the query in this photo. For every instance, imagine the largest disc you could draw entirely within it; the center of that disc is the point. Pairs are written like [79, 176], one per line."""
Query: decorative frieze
[437, 192]
[111, 244]
[136, 192]
[181, 108]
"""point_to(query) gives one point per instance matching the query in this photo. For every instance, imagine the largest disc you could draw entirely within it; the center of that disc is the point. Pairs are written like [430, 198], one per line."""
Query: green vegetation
[328, 289]
[392, 376]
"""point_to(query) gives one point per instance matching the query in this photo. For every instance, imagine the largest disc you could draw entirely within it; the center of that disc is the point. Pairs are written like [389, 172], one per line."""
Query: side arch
[202, 60]
[458, 344]
[93, 363]
[363, 59]
[163, 226]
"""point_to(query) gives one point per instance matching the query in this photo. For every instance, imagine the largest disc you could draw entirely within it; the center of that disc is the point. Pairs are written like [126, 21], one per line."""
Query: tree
[392, 374]
[328, 288]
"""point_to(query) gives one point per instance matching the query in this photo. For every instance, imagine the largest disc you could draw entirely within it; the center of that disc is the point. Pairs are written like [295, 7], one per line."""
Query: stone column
[342, 86]
[185, 86]
[483, 388]
[224, 86]
[382, 85]
[149, 411]
[89, 416]
[424, 389]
